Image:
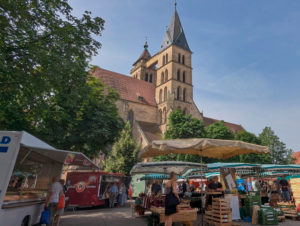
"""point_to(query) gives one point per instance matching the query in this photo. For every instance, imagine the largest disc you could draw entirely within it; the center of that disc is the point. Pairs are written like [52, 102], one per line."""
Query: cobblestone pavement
[122, 217]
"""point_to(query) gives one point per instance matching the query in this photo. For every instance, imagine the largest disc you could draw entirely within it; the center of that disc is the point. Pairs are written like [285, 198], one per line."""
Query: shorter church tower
[140, 71]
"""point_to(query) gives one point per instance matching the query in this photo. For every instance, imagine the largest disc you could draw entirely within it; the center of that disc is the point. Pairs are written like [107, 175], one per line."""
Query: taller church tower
[171, 72]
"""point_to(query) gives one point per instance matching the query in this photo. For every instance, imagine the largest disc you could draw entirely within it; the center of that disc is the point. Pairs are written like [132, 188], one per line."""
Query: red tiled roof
[150, 130]
[231, 126]
[130, 89]
[296, 156]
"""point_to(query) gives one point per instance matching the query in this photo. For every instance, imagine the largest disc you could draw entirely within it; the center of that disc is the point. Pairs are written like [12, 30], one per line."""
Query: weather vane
[175, 3]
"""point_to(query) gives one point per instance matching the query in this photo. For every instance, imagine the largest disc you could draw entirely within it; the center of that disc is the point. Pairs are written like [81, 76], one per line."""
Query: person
[284, 184]
[215, 186]
[155, 188]
[52, 198]
[60, 209]
[113, 192]
[171, 199]
[122, 195]
[249, 185]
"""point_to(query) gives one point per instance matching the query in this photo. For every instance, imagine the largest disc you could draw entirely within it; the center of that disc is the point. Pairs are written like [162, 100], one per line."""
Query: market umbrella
[212, 148]
[165, 167]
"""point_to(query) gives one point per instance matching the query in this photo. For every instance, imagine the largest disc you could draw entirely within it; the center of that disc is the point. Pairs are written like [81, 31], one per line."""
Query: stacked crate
[220, 213]
[249, 202]
[267, 216]
[295, 186]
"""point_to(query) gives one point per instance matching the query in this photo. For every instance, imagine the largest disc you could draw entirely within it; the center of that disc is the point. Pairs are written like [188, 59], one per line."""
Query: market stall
[212, 148]
[155, 202]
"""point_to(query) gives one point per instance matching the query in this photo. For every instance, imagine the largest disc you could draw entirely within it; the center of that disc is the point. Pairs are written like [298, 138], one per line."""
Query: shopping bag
[61, 202]
[45, 217]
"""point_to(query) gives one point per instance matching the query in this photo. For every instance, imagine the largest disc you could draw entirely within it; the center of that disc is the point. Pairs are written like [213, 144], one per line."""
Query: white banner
[9, 149]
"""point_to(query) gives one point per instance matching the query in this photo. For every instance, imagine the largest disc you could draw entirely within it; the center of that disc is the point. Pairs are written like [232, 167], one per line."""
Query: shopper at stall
[122, 195]
[284, 184]
[172, 199]
[249, 185]
[113, 192]
[214, 186]
[55, 191]
[61, 204]
[155, 188]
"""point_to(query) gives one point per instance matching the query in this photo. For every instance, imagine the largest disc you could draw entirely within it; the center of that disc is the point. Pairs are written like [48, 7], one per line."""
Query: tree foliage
[279, 154]
[218, 130]
[124, 153]
[44, 86]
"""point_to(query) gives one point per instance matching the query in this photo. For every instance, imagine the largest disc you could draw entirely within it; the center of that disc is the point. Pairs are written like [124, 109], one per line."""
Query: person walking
[284, 184]
[172, 199]
[61, 203]
[52, 198]
[122, 195]
[113, 193]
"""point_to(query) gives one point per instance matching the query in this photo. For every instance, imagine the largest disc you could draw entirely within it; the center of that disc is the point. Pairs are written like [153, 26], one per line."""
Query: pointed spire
[145, 54]
[175, 34]
[146, 45]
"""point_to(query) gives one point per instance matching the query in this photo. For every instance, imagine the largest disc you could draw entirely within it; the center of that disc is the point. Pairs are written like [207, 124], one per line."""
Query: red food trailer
[87, 189]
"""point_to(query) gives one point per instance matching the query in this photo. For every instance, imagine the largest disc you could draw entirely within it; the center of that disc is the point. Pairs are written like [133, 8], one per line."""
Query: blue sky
[246, 54]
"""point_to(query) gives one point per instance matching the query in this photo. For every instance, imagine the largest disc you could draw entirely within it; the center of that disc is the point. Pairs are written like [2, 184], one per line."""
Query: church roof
[150, 130]
[130, 89]
[231, 126]
[175, 34]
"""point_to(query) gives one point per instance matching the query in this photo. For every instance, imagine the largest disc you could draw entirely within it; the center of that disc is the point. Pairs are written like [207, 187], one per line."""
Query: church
[157, 85]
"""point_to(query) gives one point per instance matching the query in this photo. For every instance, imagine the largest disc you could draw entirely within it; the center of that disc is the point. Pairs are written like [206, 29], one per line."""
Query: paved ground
[121, 217]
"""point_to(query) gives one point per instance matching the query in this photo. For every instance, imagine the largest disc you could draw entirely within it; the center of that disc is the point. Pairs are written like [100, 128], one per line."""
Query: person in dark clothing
[155, 188]
[284, 184]
[214, 186]
[171, 194]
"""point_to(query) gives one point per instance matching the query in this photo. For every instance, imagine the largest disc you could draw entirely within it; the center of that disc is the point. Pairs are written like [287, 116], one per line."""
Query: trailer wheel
[25, 221]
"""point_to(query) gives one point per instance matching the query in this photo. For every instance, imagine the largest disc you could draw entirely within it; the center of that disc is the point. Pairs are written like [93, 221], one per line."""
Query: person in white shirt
[52, 199]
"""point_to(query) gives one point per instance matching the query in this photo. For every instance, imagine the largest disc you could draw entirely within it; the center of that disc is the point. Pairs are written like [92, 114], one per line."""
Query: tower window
[160, 117]
[150, 78]
[165, 94]
[183, 94]
[160, 96]
[179, 57]
[166, 75]
[162, 79]
[178, 75]
[164, 115]
[183, 59]
[130, 117]
[183, 76]
[146, 77]
[166, 58]
[178, 92]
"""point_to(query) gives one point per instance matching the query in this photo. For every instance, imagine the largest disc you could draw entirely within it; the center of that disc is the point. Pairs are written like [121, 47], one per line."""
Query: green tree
[218, 130]
[250, 158]
[44, 86]
[182, 126]
[124, 153]
[279, 154]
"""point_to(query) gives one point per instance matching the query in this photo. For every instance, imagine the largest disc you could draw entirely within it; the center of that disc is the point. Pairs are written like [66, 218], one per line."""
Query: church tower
[170, 71]
[174, 89]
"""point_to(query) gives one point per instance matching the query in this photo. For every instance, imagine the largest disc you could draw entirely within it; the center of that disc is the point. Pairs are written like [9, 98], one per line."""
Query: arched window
[178, 75]
[183, 94]
[183, 59]
[130, 117]
[150, 78]
[178, 92]
[166, 58]
[179, 57]
[135, 75]
[160, 117]
[166, 75]
[183, 76]
[160, 95]
[184, 111]
[162, 79]
[146, 77]
[165, 94]
[164, 115]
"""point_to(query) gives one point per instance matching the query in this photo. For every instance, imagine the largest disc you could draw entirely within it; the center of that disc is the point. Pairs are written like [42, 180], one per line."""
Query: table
[184, 214]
